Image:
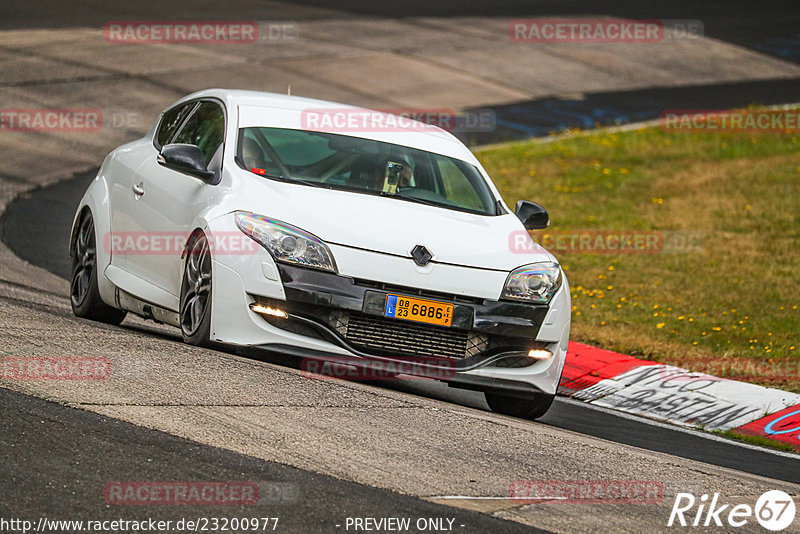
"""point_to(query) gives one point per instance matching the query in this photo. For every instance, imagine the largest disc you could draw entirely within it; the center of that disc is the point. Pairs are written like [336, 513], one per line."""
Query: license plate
[423, 311]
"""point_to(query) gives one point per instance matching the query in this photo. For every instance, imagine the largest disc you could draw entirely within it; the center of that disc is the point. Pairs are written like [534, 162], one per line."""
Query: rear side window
[171, 122]
[205, 129]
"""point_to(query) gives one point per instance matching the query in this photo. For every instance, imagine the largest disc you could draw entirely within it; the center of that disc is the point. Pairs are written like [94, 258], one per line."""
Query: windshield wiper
[413, 199]
[287, 180]
[447, 206]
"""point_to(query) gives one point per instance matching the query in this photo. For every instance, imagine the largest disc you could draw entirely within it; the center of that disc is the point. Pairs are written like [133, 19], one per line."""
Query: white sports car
[379, 243]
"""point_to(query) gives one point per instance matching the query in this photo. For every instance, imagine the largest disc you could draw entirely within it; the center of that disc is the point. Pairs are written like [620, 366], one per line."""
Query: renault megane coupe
[242, 221]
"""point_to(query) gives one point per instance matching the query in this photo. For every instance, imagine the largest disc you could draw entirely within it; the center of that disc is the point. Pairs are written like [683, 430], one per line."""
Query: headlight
[537, 282]
[285, 242]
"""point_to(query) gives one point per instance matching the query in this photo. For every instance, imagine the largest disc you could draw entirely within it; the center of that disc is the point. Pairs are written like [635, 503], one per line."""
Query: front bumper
[335, 316]
[349, 313]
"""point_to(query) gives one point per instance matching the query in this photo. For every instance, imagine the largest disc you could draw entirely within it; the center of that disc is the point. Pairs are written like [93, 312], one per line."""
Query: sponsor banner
[783, 426]
[676, 395]
[679, 396]
[585, 366]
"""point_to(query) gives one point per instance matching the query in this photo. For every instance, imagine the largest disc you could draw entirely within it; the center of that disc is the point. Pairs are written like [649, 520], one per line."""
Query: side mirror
[532, 215]
[186, 159]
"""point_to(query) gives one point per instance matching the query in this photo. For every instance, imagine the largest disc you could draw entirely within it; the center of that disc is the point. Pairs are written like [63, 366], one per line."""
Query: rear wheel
[530, 407]
[195, 314]
[84, 293]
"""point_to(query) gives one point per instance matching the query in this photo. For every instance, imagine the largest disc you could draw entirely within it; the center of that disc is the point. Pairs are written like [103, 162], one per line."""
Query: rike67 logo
[774, 510]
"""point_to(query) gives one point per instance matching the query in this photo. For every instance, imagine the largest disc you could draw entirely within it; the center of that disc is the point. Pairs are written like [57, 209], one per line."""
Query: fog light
[266, 310]
[540, 354]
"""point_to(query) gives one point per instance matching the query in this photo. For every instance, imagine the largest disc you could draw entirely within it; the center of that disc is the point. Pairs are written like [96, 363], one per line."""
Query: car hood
[392, 226]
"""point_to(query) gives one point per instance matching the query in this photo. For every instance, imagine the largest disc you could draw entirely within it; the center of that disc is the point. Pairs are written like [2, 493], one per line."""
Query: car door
[125, 187]
[171, 200]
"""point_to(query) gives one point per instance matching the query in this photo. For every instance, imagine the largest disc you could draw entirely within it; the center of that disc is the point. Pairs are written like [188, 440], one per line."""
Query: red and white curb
[678, 396]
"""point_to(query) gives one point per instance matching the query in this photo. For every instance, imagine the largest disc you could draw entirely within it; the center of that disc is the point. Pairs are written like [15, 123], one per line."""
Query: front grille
[406, 338]
[395, 337]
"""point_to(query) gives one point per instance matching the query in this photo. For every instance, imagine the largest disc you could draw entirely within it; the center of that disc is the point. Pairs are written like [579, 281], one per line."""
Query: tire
[195, 308]
[84, 294]
[531, 407]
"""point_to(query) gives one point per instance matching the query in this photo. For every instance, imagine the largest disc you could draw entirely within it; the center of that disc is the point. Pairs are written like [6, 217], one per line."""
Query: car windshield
[365, 166]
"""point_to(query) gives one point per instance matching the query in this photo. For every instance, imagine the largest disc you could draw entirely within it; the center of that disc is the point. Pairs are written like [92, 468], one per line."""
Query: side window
[252, 154]
[204, 129]
[171, 122]
[457, 187]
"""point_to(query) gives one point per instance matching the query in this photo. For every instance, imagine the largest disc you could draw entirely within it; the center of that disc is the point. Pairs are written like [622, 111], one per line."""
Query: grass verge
[761, 441]
[719, 290]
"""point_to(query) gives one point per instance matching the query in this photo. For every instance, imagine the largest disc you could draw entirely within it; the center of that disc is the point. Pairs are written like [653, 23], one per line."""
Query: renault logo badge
[421, 255]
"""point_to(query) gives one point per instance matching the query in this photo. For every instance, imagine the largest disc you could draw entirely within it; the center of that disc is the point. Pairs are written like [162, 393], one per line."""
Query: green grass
[761, 441]
[731, 304]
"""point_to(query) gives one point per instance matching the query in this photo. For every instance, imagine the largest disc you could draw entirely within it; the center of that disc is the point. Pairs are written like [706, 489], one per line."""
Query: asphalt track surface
[76, 453]
[768, 27]
[22, 231]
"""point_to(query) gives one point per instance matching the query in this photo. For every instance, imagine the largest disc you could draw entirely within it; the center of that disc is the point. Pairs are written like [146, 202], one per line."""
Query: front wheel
[530, 407]
[195, 306]
[83, 289]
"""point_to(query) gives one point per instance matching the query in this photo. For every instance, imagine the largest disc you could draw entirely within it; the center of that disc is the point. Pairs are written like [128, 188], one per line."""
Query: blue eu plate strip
[391, 306]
